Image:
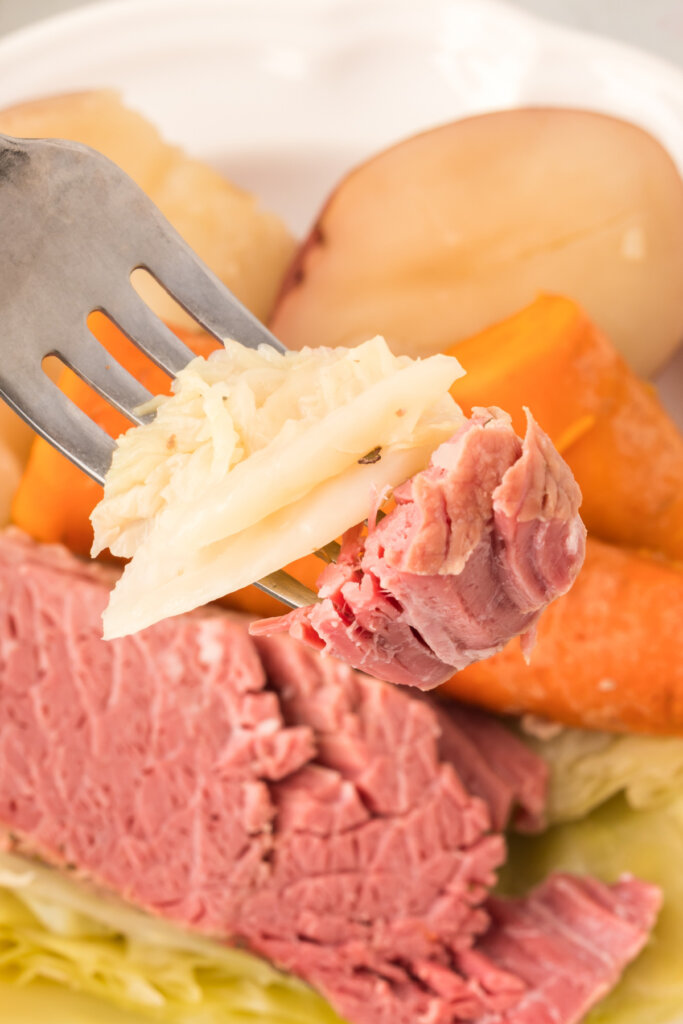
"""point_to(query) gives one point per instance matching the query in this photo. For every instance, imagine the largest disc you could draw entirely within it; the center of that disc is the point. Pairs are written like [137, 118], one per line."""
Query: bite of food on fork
[262, 456]
[475, 548]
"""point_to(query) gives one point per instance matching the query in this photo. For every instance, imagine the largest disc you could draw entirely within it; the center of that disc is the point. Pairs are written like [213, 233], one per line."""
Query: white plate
[285, 95]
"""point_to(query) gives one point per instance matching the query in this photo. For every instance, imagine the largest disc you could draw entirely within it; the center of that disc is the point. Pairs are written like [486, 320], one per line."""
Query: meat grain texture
[348, 830]
[477, 546]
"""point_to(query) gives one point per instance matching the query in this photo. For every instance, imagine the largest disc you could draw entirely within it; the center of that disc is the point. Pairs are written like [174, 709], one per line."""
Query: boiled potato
[456, 228]
[100, 120]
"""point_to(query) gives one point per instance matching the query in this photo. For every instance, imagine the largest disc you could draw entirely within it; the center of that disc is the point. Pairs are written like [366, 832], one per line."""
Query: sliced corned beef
[544, 959]
[414, 868]
[145, 762]
[492, 765]
[264, 794]
[154, 764]
[476, 547]
[568, 941]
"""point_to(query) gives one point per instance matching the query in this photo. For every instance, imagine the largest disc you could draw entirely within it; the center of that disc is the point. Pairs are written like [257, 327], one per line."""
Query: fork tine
[91, 361]
[52, 415]
[287, 589]
[190, 282]
[134, 317]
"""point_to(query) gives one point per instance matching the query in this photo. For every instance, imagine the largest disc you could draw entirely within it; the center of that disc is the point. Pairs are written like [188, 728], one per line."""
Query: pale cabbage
[587, 768]
[69, 954]
[253, 461]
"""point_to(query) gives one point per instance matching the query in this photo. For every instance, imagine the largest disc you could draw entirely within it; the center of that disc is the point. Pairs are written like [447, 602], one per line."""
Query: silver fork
[73, 228]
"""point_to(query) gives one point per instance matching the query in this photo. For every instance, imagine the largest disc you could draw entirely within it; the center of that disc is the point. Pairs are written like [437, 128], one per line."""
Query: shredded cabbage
[69, 954]
[253, 461]
[616, 804]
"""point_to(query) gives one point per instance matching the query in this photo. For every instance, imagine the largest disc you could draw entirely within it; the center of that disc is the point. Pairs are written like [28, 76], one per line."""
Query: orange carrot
[609, 654]
[624, 449]
[54, 499]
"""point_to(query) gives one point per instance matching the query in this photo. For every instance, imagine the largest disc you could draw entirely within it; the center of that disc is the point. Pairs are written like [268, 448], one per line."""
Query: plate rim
[95, 14]
[99, 10]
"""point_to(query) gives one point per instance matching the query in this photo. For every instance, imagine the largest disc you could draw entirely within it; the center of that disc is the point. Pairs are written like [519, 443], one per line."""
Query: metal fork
[73, 228]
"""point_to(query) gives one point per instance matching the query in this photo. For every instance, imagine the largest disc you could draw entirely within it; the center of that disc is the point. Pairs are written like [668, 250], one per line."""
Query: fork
[73, 228]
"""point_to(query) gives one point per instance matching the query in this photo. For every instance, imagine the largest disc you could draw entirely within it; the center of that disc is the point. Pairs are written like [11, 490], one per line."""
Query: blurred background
[653, 25]
[656, 25]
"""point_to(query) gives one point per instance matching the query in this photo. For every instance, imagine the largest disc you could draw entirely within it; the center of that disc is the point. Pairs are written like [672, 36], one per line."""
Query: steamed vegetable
[111, 956]
[48, 1001]
[608, 424]
[451, 230]
[11, 469]
[589, 768]
[258, 459]
[623, 448]
[609, 654]
[640, 829]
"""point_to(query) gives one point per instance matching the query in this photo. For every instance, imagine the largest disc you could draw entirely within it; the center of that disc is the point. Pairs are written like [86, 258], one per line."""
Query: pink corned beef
[259, 793]
[493, 765]
[567, 942]
[476, 547]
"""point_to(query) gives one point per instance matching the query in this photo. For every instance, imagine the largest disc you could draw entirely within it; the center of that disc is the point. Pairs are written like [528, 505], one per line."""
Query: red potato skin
[296, 324]
[296, 271]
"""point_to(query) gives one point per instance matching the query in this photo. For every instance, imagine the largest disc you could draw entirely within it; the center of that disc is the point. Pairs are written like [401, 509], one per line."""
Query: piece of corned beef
[476, 547]
[262, 794]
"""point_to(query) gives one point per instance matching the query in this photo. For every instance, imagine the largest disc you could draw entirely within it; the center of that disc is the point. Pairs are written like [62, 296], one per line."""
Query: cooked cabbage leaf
[256, 459]
[68, 953]
[617, 806]
[44, 1001]
[587, 768]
